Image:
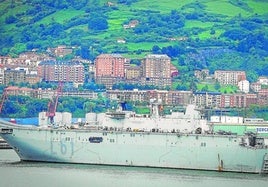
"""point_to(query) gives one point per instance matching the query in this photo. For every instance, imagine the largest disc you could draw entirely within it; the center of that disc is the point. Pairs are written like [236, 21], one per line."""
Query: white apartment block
[263, 80]
[243, 86]
[256, 87]
[2, 69]
[229, 77]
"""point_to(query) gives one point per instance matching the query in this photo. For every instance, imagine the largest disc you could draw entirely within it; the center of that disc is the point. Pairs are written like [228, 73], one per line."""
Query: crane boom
[52, 105]
[4, 97]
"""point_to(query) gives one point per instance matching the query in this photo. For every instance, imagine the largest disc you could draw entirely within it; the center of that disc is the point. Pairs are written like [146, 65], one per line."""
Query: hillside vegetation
[218, 34]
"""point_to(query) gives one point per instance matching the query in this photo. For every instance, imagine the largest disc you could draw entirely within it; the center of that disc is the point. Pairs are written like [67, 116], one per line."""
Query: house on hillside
[131, 24]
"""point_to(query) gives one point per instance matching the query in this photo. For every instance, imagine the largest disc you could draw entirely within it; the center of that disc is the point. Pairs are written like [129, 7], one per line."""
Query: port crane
[4, 97]
[52, 105]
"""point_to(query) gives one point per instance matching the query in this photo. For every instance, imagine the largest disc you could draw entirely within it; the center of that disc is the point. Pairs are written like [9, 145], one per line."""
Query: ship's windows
[95, 139]
[112, 140]
[104, 133]
[67, 139]
[55, 139]
[203, 144]
[132, 135]
[7, 131]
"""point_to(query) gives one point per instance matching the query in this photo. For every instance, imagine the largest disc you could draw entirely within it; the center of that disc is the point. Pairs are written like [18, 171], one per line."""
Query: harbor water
[15, 173]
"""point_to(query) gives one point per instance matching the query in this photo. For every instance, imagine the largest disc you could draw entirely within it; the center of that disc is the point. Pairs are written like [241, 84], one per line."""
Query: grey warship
[179, 140]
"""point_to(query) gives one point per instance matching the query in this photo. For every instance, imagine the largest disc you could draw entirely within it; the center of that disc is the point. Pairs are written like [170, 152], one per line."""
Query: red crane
[52, 105]
[4, 97]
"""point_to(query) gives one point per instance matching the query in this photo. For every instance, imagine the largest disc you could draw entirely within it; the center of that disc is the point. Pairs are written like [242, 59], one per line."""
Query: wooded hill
[218, 34]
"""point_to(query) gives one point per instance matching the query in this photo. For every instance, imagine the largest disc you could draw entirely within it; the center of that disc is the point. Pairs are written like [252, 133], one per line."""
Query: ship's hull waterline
[146, 149]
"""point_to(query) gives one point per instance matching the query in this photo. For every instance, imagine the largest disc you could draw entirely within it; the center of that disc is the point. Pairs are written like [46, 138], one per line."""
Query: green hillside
[199, 33]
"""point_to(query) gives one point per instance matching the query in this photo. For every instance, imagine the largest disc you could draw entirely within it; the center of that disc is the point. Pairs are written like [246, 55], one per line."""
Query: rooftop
[157, 56]
[53, 62]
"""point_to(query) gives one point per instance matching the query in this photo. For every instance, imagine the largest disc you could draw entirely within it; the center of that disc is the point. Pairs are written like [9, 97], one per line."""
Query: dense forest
[226, 34]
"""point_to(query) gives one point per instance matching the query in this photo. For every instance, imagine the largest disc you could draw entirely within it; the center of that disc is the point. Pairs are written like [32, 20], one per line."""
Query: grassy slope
[61, 16]
[223, 8]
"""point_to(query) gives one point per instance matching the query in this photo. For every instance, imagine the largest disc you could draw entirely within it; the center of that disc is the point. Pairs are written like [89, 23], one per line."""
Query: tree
[235, 34]
[127, 2]
[84, 52]
[205, 88]
[156, 49]
[135, 61]
[10, 19]
[89, 106]
[193, 86]
[217, 85]
[212, 31]
[98, 23]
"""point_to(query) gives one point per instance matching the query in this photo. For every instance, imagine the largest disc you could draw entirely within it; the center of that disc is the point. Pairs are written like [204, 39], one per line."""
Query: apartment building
[14, 90]
[182, 98]
[175, 98]
[2, 69]
[201, 74]
[156, 70]
[256, 86]
[263, 80]
[229, 77]
[238, 100]
[251, 99]
[158, 95]
[128, 95]
[133, 72]
[5, 60]
[14, 76]
[27, 59]
[32, 78]
[263, 97]
[64, 71]
[207, 99]
[60, 51]
[243, 86]
[110, 69]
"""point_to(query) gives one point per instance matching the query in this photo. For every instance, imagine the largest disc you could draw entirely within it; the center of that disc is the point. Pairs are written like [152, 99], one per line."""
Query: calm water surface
[14, 173]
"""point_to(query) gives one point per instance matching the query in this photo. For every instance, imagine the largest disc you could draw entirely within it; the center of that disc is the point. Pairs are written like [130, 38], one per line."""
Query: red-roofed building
[14, 90]
[110, 68]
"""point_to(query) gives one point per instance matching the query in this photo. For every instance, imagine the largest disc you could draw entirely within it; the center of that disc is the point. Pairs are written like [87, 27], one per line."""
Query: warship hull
[146, 149]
